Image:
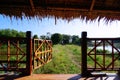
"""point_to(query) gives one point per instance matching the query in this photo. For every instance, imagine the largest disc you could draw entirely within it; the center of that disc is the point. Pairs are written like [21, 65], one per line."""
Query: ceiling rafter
[32, 5]
[44, 3]
[92, 5]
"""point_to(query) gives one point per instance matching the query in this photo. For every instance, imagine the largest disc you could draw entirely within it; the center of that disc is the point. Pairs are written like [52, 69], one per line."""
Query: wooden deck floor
[110, 76]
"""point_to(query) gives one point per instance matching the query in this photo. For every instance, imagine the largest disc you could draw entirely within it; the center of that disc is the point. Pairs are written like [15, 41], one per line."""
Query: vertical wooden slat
[84, 54]
[104, 54]
[17, 53]
[40, 55]
[41, 49]
[45, 51]
[29, 53]
[112, 55]
[34, 47]
[95, 54]
[8, 54]
[51, 48]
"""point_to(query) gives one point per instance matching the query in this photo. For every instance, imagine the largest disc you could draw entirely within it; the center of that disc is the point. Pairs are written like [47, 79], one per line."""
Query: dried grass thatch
[65, 9]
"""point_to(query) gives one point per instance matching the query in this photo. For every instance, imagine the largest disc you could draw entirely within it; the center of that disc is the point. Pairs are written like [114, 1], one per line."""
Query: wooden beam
[28, 54]
[92, 5]
[81, 10]
[32, 5]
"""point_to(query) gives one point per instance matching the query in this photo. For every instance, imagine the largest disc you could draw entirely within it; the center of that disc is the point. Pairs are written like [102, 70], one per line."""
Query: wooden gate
[100, 54]
[42, 52]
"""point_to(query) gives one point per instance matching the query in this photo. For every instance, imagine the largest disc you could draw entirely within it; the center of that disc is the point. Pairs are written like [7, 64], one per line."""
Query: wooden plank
[109, 76]
[51, 77]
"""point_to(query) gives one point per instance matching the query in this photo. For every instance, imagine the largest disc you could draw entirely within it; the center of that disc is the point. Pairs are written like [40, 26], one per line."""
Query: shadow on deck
[109, 76]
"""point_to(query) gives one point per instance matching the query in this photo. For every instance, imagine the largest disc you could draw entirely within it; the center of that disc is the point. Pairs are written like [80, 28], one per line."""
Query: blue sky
[74, 27]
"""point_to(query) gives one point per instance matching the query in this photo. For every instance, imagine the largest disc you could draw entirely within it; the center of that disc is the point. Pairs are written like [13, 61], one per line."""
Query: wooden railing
[110, 58]
[24, 54]
[11, 53]
[94, 59]
[14, 53]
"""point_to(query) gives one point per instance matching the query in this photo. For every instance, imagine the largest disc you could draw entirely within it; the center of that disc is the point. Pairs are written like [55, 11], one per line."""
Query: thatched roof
[65, 9]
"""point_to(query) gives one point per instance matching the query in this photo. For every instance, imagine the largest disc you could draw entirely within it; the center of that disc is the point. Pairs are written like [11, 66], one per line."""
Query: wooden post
[29, 53]
[84, 54]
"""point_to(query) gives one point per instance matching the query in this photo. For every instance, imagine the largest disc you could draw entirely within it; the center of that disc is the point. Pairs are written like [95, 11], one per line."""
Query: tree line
[63, 39]
[56, 38]
[11, 33]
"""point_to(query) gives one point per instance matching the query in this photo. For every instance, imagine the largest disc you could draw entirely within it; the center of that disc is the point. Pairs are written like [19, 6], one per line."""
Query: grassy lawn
[66, 59]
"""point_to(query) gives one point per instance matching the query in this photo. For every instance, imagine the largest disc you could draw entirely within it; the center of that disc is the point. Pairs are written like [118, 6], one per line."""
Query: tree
[75, 40]
[21, 34]
[11, 33]
[65, 39]
[42, 37]
[56, 38]
[48, 35]
[6, 33]
[14, 33]
[35, 36]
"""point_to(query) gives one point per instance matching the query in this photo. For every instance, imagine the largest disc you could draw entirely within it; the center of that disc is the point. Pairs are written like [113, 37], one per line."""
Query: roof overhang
[65, 9]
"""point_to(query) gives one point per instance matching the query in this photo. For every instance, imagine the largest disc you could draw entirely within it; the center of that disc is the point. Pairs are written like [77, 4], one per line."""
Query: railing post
[84, 54]
[29, 53]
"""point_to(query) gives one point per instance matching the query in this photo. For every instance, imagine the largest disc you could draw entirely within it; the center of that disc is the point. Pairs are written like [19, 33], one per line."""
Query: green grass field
[66, 59]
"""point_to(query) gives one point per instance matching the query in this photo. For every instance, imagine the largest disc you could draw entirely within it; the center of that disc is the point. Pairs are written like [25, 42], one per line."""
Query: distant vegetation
[11, 33]
[63, 39]
[56, 38]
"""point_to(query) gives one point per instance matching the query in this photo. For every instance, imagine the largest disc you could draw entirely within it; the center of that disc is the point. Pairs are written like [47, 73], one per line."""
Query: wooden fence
[16, 53]
[95, 59]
